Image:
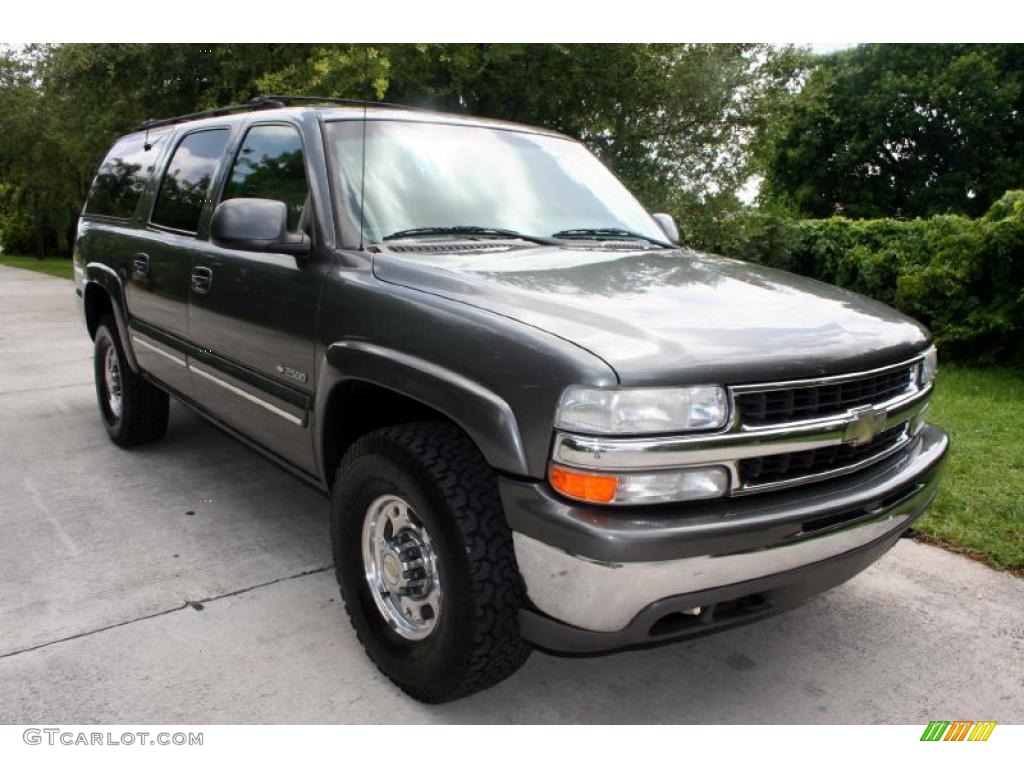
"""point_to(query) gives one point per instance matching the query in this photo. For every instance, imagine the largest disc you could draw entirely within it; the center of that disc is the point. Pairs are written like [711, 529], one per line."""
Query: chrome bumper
[605, 596]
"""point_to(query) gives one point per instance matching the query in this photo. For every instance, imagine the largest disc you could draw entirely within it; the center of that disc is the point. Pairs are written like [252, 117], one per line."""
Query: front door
[253, 315]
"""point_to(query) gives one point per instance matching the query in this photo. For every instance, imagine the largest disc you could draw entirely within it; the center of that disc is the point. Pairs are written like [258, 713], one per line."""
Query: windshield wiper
[607, 233]
[470, 231]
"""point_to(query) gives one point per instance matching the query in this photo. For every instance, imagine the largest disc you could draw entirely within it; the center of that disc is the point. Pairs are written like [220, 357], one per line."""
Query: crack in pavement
[187, 604]
[44, 389]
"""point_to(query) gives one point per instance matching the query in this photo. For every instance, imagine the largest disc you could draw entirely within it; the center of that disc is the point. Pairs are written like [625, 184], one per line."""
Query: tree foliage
[676, 122]
[902, 130]
[962, 277]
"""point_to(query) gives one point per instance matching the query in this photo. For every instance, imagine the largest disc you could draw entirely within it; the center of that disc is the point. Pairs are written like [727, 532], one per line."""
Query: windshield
[424, 176]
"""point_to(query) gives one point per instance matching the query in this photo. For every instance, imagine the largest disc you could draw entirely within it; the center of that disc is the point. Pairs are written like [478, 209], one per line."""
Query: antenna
[362, 174]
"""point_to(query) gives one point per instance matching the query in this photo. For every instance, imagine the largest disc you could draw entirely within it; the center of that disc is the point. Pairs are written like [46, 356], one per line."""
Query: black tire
[476, 642]
[144, 407]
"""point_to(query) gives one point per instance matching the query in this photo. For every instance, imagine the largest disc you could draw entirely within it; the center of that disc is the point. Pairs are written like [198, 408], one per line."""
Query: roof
[339, 109]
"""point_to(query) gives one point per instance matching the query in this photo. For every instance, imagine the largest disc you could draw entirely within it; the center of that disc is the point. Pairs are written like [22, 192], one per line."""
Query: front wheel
[425, 562]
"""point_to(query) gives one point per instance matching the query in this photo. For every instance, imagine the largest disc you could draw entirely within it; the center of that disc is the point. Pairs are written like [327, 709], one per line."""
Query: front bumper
[600, 580]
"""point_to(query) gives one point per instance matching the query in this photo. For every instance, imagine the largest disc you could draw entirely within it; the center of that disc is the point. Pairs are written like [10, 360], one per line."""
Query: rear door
[112, 232]
[162, 261]
[254, 318]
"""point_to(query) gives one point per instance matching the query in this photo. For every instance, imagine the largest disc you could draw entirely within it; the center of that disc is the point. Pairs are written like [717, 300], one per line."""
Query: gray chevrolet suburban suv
[540, 422]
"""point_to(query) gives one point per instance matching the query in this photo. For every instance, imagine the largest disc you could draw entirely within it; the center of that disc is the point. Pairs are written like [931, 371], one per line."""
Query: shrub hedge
[962, 277]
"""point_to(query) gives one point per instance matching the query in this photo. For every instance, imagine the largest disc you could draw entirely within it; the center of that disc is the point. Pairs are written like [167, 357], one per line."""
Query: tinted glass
[269, 165]
[186, 184]
[123, 175]
[437, 175]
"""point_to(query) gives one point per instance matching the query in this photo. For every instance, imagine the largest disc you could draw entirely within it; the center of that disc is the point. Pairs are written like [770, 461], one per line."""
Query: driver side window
[270, 165]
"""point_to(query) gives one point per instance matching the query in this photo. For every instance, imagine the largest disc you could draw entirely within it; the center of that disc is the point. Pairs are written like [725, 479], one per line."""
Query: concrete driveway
[190, 581]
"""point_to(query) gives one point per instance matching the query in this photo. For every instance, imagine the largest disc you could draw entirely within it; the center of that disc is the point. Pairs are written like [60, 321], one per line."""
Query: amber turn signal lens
[577, 485]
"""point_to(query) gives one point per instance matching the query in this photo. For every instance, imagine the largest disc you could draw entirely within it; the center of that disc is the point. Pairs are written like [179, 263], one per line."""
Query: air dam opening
[679, 621]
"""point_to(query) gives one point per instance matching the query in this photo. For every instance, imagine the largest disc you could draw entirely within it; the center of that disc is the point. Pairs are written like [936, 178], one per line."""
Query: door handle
[140, 264]
[202, 279]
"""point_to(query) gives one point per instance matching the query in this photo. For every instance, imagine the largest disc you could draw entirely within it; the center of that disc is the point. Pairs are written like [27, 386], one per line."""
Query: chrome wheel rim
[401, 568]
[112, 381]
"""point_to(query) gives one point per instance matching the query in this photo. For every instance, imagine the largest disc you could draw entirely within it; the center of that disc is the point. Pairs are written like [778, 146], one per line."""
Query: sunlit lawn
[980, 508]
[57, 266]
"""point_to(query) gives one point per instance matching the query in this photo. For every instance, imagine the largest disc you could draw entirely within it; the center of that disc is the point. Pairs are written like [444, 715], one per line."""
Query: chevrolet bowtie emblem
[864, 424]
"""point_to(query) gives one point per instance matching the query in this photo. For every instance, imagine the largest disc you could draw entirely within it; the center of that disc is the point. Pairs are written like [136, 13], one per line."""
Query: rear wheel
[133, 410]
[425, 561]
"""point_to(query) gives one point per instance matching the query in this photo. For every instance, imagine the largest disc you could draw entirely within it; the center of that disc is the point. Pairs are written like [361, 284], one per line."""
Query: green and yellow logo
[958, 730]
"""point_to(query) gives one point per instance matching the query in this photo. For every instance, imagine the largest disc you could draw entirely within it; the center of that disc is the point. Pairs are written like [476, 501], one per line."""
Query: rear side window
[269, 165]
[123, 176]
[186, 184]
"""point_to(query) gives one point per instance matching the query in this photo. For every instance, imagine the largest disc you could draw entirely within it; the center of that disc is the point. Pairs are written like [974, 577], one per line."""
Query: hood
[671, 317]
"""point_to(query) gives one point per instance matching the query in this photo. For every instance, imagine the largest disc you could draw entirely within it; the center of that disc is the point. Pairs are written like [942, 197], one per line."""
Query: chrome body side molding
[245, 395]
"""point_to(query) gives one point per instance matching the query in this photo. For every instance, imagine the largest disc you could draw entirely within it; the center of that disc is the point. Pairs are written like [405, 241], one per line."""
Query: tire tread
[467, 485]
[145, 407]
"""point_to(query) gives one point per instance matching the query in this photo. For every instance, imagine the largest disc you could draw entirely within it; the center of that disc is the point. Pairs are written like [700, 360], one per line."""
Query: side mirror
[668, 226]
[255, 224]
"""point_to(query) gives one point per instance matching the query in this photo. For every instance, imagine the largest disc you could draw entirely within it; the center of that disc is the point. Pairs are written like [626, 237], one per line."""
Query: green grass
[980, 508]
[55, 266]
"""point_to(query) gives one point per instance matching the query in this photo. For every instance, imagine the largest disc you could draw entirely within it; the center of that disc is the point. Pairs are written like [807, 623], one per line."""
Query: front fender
[484, 416]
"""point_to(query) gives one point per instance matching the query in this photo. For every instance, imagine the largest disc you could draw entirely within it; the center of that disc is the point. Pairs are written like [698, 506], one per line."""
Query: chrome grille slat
[778, 406]
[791, 466]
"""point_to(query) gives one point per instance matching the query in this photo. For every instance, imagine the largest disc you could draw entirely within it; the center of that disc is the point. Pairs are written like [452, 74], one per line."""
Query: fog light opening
[677, 621]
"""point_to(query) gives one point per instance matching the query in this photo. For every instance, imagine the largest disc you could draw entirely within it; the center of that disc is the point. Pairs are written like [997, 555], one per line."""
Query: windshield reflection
[427, 175]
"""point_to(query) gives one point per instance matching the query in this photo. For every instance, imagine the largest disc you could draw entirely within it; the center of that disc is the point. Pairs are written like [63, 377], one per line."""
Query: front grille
[782, 467]
[797, 403]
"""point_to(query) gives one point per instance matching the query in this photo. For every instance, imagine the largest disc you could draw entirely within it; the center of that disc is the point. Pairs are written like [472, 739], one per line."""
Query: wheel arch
[367, 387]
[103, 293]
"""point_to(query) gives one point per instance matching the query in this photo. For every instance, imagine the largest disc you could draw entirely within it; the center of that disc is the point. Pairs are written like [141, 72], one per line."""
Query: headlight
[928, 367]
[642, 411]
[640, 487]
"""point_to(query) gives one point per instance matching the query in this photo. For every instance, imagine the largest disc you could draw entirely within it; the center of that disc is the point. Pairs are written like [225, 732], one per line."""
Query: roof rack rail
[275, 101]
[285, 99]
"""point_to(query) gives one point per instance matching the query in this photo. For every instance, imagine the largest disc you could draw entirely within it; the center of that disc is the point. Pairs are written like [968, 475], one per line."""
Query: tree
[676, 122]
[34, 158]
[902, 130]
[672, 120]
